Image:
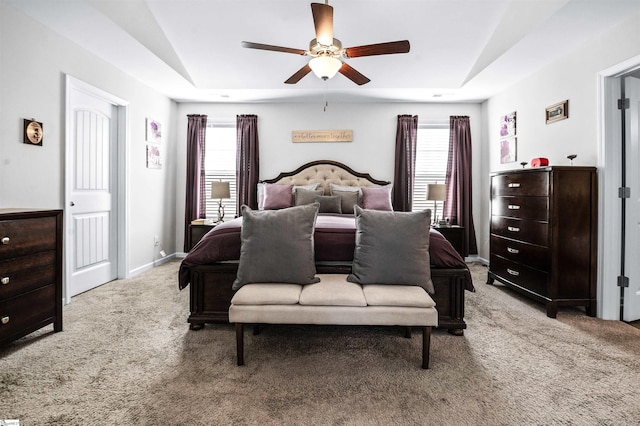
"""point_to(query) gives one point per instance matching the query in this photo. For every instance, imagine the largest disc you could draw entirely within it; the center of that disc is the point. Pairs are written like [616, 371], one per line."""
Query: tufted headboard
[326, 172]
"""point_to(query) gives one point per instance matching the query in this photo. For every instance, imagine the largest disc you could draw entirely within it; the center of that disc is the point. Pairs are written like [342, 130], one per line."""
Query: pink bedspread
[334, 240]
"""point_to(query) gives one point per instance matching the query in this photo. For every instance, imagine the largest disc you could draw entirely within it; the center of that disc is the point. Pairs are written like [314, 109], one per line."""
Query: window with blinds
[432, 148]
[220, 165]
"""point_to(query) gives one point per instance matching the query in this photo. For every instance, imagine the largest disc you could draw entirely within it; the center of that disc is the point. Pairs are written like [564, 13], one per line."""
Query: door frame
[609, 165]
[122, 172]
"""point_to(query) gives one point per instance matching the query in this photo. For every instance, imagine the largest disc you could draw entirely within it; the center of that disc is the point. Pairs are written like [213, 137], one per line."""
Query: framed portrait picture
[557, 112]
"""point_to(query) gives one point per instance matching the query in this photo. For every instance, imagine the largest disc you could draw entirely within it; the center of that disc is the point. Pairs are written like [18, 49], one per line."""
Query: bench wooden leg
[240, 343]
[426, 344]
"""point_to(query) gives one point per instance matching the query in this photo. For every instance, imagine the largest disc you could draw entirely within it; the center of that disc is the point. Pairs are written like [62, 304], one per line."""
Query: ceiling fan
[327, 52]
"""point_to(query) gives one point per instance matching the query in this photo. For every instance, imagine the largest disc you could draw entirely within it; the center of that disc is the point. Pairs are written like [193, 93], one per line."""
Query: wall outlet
[156, 241]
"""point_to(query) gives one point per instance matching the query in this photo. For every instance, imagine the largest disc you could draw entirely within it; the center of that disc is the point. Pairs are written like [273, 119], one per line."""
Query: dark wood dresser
[543, 239]
[30, 272]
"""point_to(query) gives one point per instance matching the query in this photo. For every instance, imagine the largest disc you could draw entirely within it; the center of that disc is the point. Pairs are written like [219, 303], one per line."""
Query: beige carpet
[127, 357]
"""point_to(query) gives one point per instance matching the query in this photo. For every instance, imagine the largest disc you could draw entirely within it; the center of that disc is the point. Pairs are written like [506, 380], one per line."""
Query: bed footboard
[210, 294]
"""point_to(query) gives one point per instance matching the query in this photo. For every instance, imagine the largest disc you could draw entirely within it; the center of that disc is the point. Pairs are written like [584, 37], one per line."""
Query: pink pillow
[377, 198]
[278, 196]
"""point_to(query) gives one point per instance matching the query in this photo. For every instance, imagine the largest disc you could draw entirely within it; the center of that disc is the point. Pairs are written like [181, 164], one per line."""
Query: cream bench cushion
[333, 301]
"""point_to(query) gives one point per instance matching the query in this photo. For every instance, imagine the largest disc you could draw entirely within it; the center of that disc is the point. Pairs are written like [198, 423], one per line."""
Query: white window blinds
[220, 164]
[432, 149]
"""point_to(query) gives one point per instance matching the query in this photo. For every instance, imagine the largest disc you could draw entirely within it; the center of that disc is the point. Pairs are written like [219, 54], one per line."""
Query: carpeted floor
[127, 357]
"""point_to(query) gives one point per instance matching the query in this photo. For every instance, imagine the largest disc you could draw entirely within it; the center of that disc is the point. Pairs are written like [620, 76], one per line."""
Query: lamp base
[220, 212]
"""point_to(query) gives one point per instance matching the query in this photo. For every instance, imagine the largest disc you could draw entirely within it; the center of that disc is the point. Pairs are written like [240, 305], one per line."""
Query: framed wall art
[508, 150]
[557, 112]
[33, 132]
[508, 125]
[153, 131]
[154, 160]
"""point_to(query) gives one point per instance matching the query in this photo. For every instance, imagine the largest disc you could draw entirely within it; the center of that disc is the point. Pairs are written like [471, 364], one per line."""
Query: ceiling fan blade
[323, 21]
[298, 75]
[261, 46]
[353, 75]
[378, 49]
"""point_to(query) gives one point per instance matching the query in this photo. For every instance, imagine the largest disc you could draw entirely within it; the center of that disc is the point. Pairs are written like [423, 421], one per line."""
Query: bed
[210, 268]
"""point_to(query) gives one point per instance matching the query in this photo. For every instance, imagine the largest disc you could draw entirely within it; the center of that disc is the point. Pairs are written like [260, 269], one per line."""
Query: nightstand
[455, 235]
[196, 232]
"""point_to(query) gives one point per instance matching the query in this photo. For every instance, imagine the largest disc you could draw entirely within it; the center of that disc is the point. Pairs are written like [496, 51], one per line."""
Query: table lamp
[220, 190]
[436, 192]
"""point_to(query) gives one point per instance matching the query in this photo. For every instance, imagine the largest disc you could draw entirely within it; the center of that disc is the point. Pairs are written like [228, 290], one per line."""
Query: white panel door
[91, 187]
[631, 307]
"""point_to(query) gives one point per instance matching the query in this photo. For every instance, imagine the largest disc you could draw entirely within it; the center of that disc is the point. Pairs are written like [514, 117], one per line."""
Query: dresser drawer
[529, 184]
[26, 236]
[520, 275]
[26, 273]
[517, 251]
[527, 231]
[533, 208]
[27, 311]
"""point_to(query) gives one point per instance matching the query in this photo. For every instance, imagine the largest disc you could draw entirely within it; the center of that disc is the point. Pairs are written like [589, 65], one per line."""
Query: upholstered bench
[333, 301]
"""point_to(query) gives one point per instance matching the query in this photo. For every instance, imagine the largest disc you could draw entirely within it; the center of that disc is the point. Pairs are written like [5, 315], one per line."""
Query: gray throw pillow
[329, 204]
[305, 196]
[348, 199]
[392, 248]
[277, 246]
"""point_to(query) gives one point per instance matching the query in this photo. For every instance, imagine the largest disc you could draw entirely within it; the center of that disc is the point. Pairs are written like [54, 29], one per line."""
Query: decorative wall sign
[153, 157]
[153, 131]
[557, 112]
[322, 136]
[33, 132]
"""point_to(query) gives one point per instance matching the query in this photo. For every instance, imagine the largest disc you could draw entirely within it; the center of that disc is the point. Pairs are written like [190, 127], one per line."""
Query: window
[432, 150]
[220, 164]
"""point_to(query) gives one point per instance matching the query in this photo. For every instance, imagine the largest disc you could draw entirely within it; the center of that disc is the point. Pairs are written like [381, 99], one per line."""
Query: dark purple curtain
[458, 205]
[405, 162]
[195, 206]
[247, 161]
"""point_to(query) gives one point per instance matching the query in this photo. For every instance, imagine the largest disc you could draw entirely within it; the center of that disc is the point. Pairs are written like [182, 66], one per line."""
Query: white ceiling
[461, 50]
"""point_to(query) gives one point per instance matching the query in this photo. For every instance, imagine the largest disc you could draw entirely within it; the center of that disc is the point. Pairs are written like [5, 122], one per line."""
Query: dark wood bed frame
[210, 285]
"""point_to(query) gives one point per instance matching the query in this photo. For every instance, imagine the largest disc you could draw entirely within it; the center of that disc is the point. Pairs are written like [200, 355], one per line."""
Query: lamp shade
[436, 192]
[325, 67]
[220, 190]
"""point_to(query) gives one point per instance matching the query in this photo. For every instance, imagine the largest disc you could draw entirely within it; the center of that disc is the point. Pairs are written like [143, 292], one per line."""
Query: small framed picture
[508, 150]
[508, 125]
[154, 160]
[153, 131]
[557, 112]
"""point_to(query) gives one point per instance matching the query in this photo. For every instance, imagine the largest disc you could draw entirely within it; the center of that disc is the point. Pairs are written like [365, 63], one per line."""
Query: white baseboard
[151, 265]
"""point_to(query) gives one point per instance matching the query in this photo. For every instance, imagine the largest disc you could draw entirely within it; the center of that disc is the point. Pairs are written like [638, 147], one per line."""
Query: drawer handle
[5, 320]
[512, 272]
[512, 250]
[4, 280]
[513, 229]
[5, 240]
[514, 207]
[514, 185]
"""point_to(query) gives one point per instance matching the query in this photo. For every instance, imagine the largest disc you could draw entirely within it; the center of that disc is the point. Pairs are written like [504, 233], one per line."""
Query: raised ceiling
[461, 50]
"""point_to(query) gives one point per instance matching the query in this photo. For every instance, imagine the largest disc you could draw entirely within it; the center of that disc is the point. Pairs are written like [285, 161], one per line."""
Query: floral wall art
[508, 140]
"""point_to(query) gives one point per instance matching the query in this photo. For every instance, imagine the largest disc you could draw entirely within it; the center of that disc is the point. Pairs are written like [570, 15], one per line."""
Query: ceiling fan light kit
[325, 67]
[327, 52]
